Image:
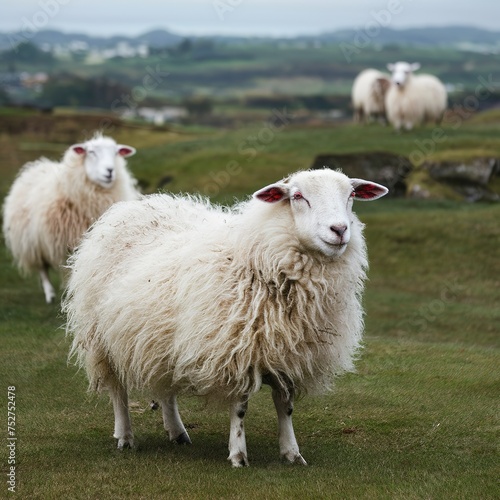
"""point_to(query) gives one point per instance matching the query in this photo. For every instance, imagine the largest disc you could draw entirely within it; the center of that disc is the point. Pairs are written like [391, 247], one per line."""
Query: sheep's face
[99, 159]
[321, 205]
[401, 72]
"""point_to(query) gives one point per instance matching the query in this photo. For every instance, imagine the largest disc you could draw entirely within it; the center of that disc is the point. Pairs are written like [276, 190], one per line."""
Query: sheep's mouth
[106, 182]
[334, 245]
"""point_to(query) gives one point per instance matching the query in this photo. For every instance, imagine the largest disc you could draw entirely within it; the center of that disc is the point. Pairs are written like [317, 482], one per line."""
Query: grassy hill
[228, 163]
[418, 420]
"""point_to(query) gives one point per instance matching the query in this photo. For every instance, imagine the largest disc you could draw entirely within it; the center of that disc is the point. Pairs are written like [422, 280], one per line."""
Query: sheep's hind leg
[172, 421]
[123, 427]
[237, 440]
[289, 448]
[48, 289]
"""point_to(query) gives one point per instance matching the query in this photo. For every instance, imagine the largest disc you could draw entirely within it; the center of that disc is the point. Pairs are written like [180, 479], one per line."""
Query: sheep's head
[99, 158]
[401, 72]
[321, 205]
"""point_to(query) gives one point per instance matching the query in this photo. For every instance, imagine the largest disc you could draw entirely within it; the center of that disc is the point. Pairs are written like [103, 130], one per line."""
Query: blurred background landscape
[58, 87]
[222, 97]
[227, 80]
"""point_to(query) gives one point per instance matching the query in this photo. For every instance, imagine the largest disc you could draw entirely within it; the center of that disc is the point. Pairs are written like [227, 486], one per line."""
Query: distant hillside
[449, 35]
[154, 38]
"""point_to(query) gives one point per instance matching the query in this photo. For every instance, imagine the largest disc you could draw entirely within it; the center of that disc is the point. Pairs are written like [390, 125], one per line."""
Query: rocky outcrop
[385, 168]
[477, 179]
[473, 180]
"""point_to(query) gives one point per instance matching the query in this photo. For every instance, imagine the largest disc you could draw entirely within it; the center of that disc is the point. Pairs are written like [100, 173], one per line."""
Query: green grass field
[419, 420]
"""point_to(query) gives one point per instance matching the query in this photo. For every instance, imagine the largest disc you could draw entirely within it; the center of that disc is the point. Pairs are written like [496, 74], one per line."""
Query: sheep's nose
[339, 230]
[110, 171]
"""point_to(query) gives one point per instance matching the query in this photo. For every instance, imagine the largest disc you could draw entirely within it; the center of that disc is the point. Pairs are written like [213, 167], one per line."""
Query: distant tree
[184, 47]
[26, 52]
[198, 106]
[71, 90]
[4, 97]
[66, 89]
[159, 51]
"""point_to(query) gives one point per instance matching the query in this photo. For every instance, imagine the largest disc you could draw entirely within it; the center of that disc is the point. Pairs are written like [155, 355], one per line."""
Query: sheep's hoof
[239, 460]
[182, 439]
[50, 297]
[124, 443]
[293, 458]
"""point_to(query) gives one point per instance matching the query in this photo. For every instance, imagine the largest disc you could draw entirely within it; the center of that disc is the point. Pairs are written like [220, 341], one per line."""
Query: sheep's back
[433, 94]
[25, 213]
[363, 91]
[161, 287]
[127, 272]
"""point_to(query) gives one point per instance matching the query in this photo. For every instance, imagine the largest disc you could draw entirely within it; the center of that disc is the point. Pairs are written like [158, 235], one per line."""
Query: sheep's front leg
[237, 440]
[48, 289]
[172, 421]
[289, 448]
[123, 427]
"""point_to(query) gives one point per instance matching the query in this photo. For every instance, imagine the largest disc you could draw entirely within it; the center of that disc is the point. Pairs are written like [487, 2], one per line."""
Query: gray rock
[478, 171]
[385, 168]
[470, 179]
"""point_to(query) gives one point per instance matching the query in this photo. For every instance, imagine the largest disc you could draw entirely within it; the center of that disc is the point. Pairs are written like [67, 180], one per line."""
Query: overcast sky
[242, 17]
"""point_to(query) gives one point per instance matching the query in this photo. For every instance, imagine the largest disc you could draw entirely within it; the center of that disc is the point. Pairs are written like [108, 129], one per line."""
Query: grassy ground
[418, 420]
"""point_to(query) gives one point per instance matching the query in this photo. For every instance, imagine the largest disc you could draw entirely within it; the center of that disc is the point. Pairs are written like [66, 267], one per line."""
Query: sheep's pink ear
[273, 193]
[79, 149]
[415, 66]
[390, 67]
[367, 191]
[125, 151]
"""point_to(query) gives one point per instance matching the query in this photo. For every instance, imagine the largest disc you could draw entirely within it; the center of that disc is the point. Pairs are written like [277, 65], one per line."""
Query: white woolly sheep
[368, 95]
[172, 294]
[51, 204]
[412, 100]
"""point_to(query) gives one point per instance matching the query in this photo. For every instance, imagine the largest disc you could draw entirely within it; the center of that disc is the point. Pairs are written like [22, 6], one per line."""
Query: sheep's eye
[298, 196]
[353, 194]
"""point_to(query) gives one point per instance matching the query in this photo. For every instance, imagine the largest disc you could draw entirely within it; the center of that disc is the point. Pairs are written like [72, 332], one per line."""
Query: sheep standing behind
[51, 204]
[172, 294]
[412, 100]
[368, 95]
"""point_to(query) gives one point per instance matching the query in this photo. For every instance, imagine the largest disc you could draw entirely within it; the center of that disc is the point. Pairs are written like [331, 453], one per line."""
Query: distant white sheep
[368, 95]
[51, 204]
[412, 100]
[172, 294]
